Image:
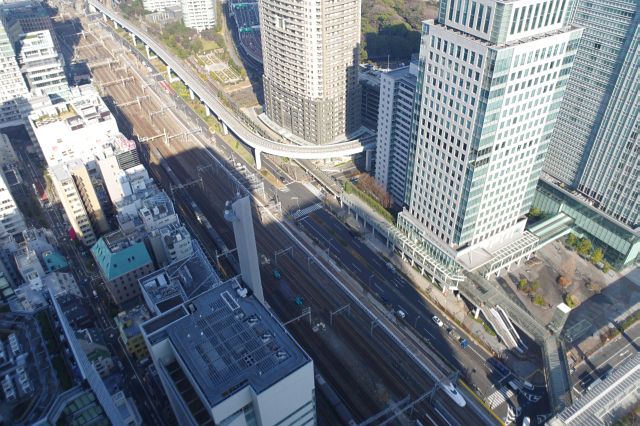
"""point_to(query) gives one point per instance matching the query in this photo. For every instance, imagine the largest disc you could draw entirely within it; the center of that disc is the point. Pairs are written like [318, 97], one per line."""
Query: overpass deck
[195, 84]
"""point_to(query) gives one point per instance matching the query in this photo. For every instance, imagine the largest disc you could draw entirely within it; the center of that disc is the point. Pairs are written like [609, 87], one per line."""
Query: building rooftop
[179, 281]
[131, 320]
[600, 404]
[54, 261]
[116, 257]
[228, 342]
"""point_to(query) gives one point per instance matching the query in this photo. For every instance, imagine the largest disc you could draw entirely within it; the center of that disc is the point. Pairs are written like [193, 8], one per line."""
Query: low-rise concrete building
[121, 263]
[223, 358]
[128, 324]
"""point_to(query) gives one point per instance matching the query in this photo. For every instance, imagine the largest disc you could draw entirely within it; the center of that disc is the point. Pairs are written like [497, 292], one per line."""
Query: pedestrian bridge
[226, 117]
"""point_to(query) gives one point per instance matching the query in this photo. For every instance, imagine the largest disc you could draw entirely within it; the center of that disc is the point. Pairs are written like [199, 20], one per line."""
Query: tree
[568, 268]
[535, 212]
[523, 285]
[584, 246]
[597, 256]
[534, 286]
[564, 281]
[572, 240]
[606, 267]
[570, 301]
[538, 299]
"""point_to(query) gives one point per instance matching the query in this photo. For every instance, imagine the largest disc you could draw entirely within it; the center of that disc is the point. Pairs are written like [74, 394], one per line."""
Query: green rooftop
[121, 262]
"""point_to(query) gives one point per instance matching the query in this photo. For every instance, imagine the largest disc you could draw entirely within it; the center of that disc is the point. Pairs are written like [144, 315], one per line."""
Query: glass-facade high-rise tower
[311, 53]
[491, 81]
[596, 144]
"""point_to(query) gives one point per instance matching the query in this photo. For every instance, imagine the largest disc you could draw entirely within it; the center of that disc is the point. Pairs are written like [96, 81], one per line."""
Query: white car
[437, 321]
[401, 314]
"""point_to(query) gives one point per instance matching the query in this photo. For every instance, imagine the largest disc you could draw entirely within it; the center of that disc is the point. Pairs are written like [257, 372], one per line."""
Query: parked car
[437, 320]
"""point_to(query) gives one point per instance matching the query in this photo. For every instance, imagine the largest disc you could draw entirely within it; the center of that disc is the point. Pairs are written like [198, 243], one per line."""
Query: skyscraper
[491, 80]
[397, 93]
[42, 65]
[13, 86]
[595, 146]
[311, 56]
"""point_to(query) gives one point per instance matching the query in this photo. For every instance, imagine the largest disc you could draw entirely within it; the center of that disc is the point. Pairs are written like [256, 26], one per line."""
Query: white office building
[492, 78]
[42, 65]
[74, 129]
[224, 359]
[13, 89]
[395, 113]
[11, 220]
[199, 14]
[158, 5]
[77, 195]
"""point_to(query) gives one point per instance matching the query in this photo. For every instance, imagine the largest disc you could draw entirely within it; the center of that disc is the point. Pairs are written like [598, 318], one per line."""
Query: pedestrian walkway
[307, 210]
[499, 397]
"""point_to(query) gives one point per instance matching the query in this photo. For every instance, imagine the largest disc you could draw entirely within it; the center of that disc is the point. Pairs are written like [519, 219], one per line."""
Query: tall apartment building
[199, 14]
[311, 57]
[223, 358]
[397, 93]
[369, 78]
[491, 80]
[42, 65]
[596, 143]
[159, 5]
[12, 87]
[11, 219]
[79, 200]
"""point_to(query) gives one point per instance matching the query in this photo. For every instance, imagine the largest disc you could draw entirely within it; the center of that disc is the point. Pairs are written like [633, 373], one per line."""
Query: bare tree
[568, 270]
[372, 187]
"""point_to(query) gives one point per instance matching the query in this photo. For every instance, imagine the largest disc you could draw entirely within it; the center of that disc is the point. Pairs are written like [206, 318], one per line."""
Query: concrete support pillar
[149, 56]
[133, 40]
[116, 25]
[258, 155]
[207, 111]
[476, 312]
[368, 160]
[225, 130]
[168, 71]
[105, 18]
[191, 94]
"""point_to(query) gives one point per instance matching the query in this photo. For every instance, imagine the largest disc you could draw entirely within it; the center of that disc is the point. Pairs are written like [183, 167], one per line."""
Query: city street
[597, 365]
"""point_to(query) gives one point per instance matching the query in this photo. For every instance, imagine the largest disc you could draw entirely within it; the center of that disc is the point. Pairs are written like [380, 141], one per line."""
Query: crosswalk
[301, 213]
[499, 397]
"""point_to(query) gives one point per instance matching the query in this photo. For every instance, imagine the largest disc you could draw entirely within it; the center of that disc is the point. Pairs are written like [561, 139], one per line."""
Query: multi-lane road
[348, 342]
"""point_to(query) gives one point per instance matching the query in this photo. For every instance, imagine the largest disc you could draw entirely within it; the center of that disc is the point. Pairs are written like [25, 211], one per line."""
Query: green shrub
[570, 301]
[538, 299]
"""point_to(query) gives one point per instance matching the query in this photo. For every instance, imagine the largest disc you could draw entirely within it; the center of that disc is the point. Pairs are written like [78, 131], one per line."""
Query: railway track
[369, 372]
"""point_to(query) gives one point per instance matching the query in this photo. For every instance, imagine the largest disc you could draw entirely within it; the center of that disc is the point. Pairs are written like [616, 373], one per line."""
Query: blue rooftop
[54, 261]
[120, 262]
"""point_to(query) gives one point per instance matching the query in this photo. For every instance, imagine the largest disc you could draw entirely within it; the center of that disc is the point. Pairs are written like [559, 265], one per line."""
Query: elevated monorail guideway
[226, 117]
